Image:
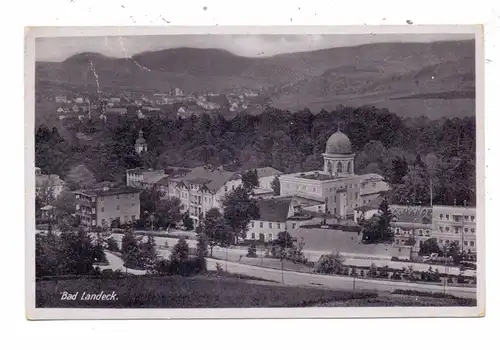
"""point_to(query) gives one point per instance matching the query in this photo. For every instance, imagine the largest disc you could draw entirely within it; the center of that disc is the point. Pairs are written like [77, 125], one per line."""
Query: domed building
[336, 187]
[338, 156]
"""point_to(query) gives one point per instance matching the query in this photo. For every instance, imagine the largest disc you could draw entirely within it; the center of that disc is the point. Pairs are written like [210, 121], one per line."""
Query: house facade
[99, 208]
[455, 224]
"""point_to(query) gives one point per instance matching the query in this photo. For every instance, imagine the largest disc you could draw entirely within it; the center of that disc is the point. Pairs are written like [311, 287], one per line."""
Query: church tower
[338, 157]
[140, 144]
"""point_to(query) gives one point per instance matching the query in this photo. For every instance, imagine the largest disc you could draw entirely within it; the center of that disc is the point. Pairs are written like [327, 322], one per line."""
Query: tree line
[412, 154]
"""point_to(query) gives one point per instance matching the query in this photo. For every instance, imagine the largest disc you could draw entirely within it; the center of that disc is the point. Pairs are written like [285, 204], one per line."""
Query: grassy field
[399, 301]
[184, 292]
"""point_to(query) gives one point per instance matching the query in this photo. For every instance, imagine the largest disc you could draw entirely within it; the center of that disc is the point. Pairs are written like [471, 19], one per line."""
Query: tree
[330, 263]
[430, 246]
[239, 209]
[379, 228]
[168, 212]
[180, 251]
[275, 185]
[216, 231]
[250, 180]
[453, 250]
[45, 193]
[77, 253]
[187, 222]
[202, 250]
[112, 244]
[130, 250]
[65, 203]
[147, 252]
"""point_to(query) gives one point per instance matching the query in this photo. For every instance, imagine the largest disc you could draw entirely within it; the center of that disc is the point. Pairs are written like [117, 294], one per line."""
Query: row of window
[457, 218]
[104, 222]
[420, 232]
[261, 236]
[466, 243]
[270, 225]
[456, 229]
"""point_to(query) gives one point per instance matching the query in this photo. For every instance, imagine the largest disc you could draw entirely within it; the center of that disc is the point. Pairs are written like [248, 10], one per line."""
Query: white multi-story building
[336, 184]
[455, 224]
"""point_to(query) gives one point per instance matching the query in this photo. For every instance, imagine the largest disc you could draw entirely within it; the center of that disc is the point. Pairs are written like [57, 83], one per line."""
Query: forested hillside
[409, 153]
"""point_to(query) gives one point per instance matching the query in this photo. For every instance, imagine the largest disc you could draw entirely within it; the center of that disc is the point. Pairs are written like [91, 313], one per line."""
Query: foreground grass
[184, 292]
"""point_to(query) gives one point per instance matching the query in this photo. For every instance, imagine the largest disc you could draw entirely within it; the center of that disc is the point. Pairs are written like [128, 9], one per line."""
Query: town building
[101, 207]
[336, 184]
[61, 99]
[411, 223]
[49, 182]
[140, 143]
[455, 224]
[140, 178]
[367, 210]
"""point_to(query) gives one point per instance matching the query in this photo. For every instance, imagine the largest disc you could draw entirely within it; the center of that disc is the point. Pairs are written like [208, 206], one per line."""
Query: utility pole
[430, 189]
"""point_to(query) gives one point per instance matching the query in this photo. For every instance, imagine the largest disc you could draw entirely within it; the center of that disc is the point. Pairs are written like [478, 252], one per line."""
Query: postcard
[263, 172]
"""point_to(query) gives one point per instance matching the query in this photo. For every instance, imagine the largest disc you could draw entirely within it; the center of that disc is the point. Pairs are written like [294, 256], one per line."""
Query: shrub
[362, 273]
[218, 267]
[384, 273]
[330, 263]
[252, 251]
[450, 279]
[353, 272]
[396, 276]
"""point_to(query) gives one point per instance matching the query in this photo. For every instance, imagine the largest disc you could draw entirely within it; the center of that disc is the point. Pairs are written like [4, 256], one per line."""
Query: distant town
[173, 103]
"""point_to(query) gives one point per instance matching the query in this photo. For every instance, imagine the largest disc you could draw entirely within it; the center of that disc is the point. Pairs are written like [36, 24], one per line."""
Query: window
[102, 209]
[132, 195]
[457, 242]
[133, 217]
[294, 225]
[472, 230]
[447, 241]
[270, 225]
[472, 218]
[466, 243]
[447, 217]
[447, 229]
[279, 225]
[420, 232]
[456, 230]
[441, 216]
[93, 210]
[126, 218]
[466, 217]
[456, 218]
[93, 223]
[466, 230]
[253, 224]
[78, 207]
[261, 225]
[133, 205]
[357, 195]
[472, 243]
[314, 189]
[270, 236]
[117, 207]
[77, 196]
[93, 199]
[253, 235]
[441, 228]
[440, 241]
[397, 241]
[339, 167]
[427, 232]
[103, 222]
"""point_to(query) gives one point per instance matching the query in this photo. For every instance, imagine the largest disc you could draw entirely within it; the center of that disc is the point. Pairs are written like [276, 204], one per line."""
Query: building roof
[274, 209]
[371, 205]
[267, 171]
[338, 143]
[412, 214]
[303, 200]
[213, 178]
[110, 191]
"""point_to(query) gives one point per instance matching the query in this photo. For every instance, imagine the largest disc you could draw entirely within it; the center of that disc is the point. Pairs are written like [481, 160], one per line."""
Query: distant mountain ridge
[388, 70]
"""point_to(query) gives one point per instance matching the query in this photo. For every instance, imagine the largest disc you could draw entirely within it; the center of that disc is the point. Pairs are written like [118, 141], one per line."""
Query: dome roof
[338, 143]
[140, 140]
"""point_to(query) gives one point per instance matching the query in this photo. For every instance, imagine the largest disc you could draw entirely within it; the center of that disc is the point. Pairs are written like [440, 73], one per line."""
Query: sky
[58, 49]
